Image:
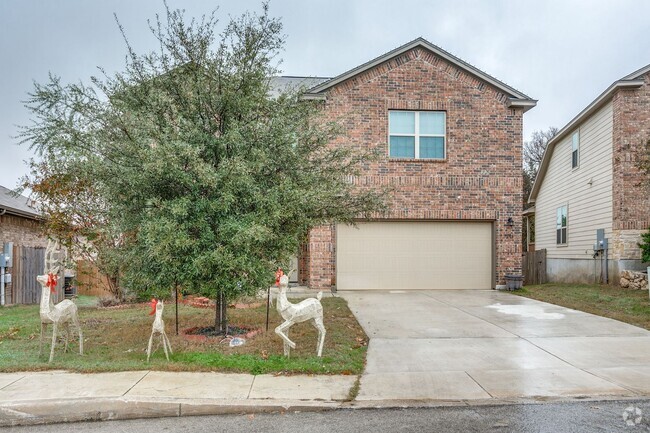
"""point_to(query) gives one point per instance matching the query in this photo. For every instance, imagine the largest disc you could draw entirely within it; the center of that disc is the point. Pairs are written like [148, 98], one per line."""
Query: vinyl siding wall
[589, 206]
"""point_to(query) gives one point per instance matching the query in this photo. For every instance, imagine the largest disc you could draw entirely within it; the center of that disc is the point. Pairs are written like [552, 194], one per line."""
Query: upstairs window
[561, 225]
[575, 145]
[417, 134]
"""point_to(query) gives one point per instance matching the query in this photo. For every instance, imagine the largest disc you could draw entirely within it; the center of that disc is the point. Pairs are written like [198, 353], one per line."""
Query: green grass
[115, 339]
[626, 305]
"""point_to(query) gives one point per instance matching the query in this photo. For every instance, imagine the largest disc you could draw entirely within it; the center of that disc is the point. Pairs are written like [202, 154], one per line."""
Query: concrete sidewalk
[57, 396]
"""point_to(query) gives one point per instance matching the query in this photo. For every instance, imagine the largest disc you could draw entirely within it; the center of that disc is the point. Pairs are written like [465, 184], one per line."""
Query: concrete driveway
[481, 344]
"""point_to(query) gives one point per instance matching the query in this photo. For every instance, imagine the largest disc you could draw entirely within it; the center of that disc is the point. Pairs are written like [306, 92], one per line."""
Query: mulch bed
[204, 333]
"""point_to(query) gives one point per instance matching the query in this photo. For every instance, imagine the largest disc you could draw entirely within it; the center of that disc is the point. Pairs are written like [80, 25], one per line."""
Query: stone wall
[624, 244]
[21, 231]
[634, 280]
[479, 180]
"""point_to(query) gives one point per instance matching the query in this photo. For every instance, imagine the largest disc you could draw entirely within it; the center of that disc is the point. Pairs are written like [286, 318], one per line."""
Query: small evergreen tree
[209, 181]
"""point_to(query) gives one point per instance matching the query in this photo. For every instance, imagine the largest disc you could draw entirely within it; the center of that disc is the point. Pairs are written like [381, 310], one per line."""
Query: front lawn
[115, 339]
[630, 306]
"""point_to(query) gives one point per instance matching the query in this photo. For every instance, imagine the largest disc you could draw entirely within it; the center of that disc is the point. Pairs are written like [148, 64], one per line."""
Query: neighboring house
[451, 140]
[21, 225]
[588, 180]
[20, 222]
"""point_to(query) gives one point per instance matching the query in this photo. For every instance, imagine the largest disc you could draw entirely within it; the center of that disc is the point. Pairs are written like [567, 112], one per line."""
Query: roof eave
[529, 211]
[313, 97]
[586, 112]
[526, 104]
[20, 213]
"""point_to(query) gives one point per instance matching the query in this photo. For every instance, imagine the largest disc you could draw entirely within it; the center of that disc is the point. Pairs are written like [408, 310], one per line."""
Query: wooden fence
[28, 263]
[534, 266]
[90, 281]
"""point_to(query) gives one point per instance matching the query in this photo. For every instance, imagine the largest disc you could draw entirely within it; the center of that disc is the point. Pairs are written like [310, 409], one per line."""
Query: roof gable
[516, 97]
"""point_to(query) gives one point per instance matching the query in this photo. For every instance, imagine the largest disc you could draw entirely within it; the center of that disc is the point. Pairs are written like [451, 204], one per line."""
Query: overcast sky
[563, 53]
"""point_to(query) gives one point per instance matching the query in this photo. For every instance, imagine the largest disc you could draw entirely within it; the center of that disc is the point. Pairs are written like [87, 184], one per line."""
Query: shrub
[645, 246]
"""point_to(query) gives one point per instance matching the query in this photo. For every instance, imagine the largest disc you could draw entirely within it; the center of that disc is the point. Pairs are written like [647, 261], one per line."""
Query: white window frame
[575, 139]
[565, 227]
[417, 135]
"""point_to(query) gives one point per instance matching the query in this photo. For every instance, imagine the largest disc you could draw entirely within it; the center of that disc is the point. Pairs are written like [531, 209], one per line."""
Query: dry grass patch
[629, 306]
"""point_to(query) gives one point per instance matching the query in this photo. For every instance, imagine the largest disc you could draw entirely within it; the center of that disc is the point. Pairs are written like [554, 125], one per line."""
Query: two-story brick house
[451, 137]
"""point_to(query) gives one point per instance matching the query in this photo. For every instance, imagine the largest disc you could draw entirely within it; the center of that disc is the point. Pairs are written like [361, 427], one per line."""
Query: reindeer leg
[280, 331]
[54, 326]
[81, 336]
[318, 323]
[149, 347]
[168, 343]
[164, 343]
[285, 345]
[66, 329]
[40, 343]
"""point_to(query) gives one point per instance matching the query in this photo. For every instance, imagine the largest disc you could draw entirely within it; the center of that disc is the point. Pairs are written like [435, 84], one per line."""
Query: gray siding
[589, 206]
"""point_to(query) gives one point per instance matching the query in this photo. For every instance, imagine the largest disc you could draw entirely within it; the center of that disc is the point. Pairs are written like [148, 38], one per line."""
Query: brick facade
[631, 201]
[21, 231]
[480, 179]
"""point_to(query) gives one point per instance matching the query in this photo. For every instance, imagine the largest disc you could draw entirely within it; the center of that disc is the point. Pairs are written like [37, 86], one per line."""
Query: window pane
[575, 141]
[558, 237]
[432, 147]
[402, 122]
[402, 147]
[432, 122]
[563, 235]
[574, 159]
[561, 217]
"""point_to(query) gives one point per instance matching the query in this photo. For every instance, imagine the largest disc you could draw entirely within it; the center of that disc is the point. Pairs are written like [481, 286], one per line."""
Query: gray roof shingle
[291, 83]
[17, 205]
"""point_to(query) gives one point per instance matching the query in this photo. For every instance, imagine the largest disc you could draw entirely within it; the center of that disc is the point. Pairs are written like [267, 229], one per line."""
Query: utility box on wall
[6, 258]
[601, 240]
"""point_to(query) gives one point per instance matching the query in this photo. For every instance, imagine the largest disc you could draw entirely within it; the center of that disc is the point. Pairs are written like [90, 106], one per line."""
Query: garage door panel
[414, 255]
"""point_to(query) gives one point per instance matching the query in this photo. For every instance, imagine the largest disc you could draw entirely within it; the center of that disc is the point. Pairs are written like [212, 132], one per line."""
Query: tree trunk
[220, 316]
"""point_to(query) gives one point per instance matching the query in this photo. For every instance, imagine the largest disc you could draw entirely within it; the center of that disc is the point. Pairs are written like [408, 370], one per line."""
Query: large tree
[533, 152]
[210, 181]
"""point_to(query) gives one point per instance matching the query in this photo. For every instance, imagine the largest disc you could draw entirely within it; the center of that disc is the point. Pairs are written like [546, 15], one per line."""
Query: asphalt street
[604, 416]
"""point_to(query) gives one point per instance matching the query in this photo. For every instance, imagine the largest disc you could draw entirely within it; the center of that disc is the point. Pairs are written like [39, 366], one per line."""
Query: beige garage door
[414, 255]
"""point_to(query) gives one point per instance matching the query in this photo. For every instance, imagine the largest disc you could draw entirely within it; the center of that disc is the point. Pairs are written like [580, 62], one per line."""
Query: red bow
[154, 302]
[51, 281]
[278, 275]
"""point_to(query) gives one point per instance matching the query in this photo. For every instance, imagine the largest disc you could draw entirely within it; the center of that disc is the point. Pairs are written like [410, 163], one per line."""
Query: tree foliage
[208, 181]
[645, 246]
[533, 153]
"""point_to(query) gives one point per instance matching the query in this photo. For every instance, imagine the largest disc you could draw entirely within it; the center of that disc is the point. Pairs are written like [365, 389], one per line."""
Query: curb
[102, 409]
[106, 409]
